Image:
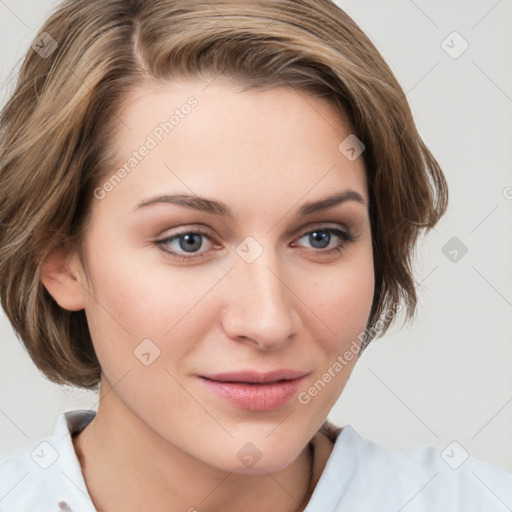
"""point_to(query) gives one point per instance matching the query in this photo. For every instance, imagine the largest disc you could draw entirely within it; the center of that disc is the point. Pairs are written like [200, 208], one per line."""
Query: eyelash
[346, 236]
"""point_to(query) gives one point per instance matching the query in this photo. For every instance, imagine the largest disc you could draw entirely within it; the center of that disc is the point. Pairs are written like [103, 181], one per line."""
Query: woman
[232, 194]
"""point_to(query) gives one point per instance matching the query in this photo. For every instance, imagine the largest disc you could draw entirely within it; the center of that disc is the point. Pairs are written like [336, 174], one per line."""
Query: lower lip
[256, 397]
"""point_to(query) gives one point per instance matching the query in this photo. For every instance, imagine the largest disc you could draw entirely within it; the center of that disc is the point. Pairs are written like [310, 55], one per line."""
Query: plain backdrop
[447, 377]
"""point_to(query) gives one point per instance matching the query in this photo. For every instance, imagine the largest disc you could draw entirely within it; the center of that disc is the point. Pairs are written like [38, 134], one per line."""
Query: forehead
[210, 139]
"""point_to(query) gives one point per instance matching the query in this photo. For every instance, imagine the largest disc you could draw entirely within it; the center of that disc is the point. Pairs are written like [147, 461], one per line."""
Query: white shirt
[360, 476]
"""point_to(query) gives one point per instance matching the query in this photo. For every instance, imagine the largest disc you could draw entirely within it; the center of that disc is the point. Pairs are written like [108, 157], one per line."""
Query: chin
[256, 457]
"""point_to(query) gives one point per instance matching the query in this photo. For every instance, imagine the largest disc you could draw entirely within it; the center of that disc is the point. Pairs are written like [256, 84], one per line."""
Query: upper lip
[254, 376]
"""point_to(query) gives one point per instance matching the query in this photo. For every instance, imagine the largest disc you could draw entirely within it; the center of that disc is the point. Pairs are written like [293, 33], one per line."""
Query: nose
[260, 304]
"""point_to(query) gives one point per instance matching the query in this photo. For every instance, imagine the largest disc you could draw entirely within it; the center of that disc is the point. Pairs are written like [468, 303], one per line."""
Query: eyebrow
[221, 209]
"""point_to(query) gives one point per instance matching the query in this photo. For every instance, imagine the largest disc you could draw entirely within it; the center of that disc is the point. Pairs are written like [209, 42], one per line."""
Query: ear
[60, 276]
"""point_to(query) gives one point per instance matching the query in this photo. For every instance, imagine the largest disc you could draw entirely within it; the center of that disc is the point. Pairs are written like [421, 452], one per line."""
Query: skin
[161, 440]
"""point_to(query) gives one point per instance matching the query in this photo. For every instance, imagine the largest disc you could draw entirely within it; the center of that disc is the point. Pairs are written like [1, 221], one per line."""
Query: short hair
[56, 137]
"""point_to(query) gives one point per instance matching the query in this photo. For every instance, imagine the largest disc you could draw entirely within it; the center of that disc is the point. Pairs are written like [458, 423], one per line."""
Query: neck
[127, 466]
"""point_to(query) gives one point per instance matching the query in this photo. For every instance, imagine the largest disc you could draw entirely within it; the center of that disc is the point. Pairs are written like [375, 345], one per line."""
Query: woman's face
[275, 280]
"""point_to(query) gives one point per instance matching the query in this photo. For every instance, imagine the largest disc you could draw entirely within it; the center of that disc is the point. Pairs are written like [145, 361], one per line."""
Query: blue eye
[187, 245]
[188, 241]
[321, 238]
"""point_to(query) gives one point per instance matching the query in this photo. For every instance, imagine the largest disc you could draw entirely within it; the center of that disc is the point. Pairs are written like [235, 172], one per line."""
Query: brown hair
[55, 141]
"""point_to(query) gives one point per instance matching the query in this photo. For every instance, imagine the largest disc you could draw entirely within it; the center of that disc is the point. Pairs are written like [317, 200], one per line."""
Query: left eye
[321, 238]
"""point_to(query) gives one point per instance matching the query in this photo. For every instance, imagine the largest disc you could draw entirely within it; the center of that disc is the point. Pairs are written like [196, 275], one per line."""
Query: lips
[255, 391]
[256, 377]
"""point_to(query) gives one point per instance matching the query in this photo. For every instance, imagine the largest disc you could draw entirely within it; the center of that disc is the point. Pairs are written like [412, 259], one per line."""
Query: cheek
[132, 301]
[140, 294]
[342, 300]
[342, 297]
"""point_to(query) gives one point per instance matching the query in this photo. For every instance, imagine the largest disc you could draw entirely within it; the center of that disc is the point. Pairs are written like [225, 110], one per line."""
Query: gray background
[448, 376]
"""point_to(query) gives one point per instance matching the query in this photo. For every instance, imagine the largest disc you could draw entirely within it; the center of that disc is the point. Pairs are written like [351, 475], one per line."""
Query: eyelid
[186, 231]
[196, 229]
[319, 226]
[199, 229]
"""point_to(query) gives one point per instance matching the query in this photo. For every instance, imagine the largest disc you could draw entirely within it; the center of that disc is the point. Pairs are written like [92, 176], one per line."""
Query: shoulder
[45, 475]
[365, 476]
[28, 475]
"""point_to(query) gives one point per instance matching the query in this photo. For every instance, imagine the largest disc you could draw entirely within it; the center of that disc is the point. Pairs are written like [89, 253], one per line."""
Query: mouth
[253, 377]
[255, 391]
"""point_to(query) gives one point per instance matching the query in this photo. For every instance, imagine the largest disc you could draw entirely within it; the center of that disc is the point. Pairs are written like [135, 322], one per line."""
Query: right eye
[187, 241]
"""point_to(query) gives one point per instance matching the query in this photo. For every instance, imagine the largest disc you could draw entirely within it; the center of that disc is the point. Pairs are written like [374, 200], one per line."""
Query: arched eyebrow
[330, 202]
[221, 209]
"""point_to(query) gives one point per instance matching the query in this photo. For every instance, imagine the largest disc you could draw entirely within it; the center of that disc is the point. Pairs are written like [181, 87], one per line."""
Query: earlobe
[59, 275]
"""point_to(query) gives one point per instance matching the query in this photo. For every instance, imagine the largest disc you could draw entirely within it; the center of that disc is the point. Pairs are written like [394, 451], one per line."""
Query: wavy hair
[56, 137]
